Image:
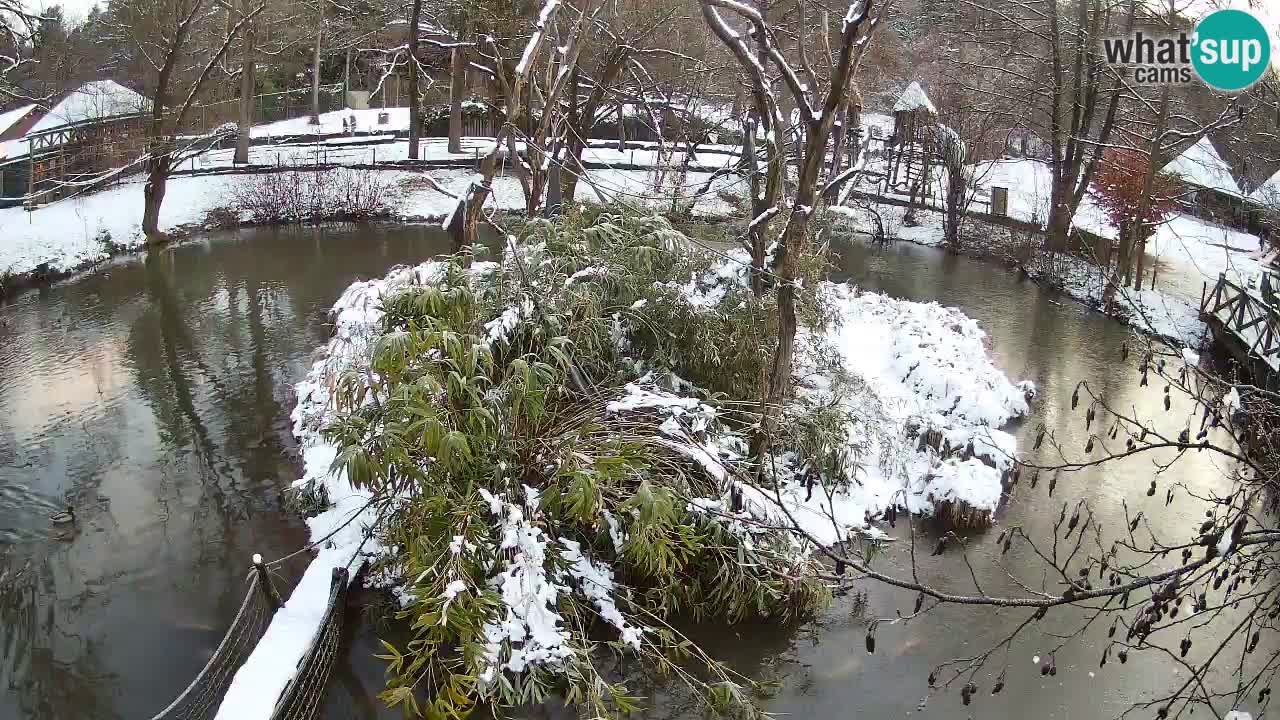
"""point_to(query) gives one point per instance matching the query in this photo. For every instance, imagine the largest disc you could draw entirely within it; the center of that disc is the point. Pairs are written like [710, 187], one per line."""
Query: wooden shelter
[912, 151]
[98, 127]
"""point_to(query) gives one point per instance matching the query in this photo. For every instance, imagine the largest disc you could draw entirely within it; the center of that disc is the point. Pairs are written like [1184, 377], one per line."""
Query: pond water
[153, 396]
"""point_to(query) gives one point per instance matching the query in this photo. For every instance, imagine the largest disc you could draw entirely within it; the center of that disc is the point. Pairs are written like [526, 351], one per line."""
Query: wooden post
[264, 581]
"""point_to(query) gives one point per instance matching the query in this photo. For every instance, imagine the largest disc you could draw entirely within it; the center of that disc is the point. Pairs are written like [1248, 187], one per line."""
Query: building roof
[93, 101]
[1201, 165]
[11, 118]
[1268, 193]
[913, 98]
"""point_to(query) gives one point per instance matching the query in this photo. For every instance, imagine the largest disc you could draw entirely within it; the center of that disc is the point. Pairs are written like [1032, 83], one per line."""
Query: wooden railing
[1252, 318]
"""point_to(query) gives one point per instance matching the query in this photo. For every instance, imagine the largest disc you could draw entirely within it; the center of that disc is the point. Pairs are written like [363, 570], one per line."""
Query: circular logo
[1231, 49]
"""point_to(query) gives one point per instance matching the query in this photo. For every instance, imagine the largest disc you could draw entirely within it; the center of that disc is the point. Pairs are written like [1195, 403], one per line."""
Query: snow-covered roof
[92, 101]
[1268, 193]
[913, 98]
[12, 117]
[13, 149]
[1201, 165]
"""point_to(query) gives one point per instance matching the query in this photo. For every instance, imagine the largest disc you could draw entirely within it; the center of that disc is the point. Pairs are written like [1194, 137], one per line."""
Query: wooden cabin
[1212, 192]
[98, 127]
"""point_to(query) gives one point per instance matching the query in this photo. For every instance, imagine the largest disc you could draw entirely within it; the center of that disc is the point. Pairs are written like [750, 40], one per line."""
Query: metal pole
[264, 580]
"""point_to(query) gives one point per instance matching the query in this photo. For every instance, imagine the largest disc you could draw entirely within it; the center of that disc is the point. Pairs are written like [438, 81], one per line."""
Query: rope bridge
[301, 698]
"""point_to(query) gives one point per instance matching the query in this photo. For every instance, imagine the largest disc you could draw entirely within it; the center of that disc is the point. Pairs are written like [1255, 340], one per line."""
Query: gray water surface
[153, 396]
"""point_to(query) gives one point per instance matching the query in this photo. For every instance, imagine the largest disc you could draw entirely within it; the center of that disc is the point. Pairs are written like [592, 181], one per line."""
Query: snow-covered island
[899, 371]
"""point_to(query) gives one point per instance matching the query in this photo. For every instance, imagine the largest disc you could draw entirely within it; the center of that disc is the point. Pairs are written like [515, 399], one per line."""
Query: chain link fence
[267, 107]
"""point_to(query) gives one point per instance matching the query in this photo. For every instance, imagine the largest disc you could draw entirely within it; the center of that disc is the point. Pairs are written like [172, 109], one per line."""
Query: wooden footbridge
[1246, 322]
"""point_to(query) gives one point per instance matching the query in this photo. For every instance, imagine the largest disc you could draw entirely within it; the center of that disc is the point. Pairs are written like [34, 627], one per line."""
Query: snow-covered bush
[305, 196]
[560, 439]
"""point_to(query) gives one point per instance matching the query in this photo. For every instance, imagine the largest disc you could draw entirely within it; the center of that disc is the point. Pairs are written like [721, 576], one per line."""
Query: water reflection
[153, 396]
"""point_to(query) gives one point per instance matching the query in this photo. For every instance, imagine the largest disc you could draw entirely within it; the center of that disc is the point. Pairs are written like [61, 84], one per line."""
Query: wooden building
[1211, 192]
[98, 128]
[912, 151]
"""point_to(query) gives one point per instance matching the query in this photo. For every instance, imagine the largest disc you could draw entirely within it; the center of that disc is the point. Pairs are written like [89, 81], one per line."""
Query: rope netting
[200, 700]
[301, 698]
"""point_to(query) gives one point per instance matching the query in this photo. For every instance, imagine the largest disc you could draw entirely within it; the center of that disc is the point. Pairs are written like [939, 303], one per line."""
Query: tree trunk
[778, 380]
[576, 142]
[1060, 215]
[838, 136]
[153, 191]
[315, 67]
[248, 81]
[457, 86]
[346, 79]
[1154, 161]
[414, 120]
[760, 203]
[622, 128]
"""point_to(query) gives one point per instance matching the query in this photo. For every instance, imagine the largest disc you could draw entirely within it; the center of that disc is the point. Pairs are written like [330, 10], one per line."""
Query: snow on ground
[1188, 252]
[331, 123]
[929, 367]
[873, 218]
[359, 150]
[72, 233]
[922, 367]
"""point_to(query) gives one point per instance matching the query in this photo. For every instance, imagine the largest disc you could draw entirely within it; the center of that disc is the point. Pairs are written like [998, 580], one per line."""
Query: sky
[70, 8]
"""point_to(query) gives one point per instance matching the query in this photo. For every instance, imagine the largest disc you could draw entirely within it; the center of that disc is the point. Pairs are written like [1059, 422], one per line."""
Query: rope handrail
[199, 700]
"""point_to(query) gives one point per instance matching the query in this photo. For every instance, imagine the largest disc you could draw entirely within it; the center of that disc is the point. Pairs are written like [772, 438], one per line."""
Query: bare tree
[415, 106]
[463, 223]
[1161, 590]
[1053, 80]
[248, 85]
[17, 24]
[315, 63]
[856, 28]
[457, 86]
[182, 42]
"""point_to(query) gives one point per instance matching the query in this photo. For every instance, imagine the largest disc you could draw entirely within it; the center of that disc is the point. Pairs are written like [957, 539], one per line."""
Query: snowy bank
[72, 234]
[926, 372]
